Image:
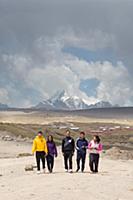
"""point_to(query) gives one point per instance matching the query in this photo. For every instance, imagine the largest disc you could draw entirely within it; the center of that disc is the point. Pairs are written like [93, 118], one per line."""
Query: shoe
[38, 172]
[44, 171]
[77, 170]
[66, 170]
[82, 170]
[70, 171]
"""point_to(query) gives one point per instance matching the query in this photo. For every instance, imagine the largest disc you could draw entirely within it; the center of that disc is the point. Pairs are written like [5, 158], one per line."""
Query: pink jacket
[94, 147]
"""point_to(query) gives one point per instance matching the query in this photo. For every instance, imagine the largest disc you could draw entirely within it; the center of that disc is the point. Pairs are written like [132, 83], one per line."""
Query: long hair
[97, 139]
[52, 139]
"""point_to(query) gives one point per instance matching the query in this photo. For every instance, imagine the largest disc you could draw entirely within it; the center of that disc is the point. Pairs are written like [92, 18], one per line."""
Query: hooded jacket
[39, 144]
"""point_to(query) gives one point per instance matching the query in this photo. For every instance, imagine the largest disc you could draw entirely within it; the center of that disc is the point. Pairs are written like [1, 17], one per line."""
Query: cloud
[4, 98]
[33, 34]
[92, 39]
[56, 70]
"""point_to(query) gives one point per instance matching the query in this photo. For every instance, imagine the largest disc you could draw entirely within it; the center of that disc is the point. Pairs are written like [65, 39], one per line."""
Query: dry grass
[28, 124]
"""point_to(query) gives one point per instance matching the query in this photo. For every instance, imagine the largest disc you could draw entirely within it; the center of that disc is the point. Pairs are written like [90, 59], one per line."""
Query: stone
[20, 155]
[29, 168]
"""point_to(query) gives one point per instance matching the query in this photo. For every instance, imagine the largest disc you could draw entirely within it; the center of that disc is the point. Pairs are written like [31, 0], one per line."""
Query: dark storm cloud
[24, 21]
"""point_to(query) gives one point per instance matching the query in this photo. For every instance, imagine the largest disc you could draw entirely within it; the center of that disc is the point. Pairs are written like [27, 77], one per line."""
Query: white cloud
[92, 39]
[48, 69]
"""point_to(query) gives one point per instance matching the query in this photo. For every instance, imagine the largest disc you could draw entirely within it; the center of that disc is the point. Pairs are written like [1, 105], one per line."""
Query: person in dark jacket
[68, 147]
[52, 152]
[81, 147]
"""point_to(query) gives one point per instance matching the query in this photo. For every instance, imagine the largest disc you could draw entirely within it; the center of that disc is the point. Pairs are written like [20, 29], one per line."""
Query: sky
[84, 47]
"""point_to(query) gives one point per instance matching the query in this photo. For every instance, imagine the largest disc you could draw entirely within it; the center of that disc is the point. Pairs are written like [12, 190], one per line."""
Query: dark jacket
[81, 145]
[52, 150]
[68, 145]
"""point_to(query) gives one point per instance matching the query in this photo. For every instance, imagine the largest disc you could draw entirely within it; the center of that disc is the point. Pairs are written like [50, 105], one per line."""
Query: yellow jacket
[39, 144]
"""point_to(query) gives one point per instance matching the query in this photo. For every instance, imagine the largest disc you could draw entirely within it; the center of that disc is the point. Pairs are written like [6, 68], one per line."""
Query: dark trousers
[50, 162]
[68, 158]
[40, 156]
[94, 161]
[81, 157]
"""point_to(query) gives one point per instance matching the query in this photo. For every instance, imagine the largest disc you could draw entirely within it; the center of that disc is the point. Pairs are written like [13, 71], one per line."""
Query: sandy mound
[116, 153]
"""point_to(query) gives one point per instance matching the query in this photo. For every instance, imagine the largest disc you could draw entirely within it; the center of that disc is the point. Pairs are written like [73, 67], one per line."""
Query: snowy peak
[62, 101]
[58, 96]
[76, 103]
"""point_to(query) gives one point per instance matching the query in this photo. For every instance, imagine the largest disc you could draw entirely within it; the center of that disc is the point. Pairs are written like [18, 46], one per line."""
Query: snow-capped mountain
[62, 101]
[76, 103]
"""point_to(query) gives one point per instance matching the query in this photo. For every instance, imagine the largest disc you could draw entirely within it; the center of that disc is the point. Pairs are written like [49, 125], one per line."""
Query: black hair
[97, 138]
[82, 132]
[52, 139]
[40, 132]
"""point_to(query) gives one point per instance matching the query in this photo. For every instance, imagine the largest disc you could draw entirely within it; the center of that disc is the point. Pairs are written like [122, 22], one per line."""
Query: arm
[76, 145]
[55, 149]
[89, 146]
[45, 147]
[73, 144]
[34, 146]
[63, 146]
[100, 148]
[86, 146]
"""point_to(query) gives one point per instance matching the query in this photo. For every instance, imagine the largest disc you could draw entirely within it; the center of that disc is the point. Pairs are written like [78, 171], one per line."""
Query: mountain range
[62, 101]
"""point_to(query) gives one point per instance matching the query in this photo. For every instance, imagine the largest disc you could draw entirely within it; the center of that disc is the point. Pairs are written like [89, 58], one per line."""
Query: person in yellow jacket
[40, 149]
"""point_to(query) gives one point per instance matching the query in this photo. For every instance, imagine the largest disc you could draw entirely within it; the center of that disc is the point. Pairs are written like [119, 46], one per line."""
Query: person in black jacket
[68, 147]
[81, 147]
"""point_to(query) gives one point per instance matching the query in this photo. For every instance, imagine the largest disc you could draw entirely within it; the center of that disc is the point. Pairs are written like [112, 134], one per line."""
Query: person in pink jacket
[95, 147]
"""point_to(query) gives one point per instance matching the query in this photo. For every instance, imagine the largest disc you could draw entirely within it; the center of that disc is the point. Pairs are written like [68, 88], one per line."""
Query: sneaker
[77, 170]
[70, 171]
[38, 172]
[66, 170]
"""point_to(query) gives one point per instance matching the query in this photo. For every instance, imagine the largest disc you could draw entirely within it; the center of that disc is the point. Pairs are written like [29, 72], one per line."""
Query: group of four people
[47, 149]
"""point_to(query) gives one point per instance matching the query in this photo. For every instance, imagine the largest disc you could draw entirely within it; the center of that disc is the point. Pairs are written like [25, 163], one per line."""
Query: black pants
[68, 157]
[81, 157]
[94, 161]
[50, 162]
[40, 156]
